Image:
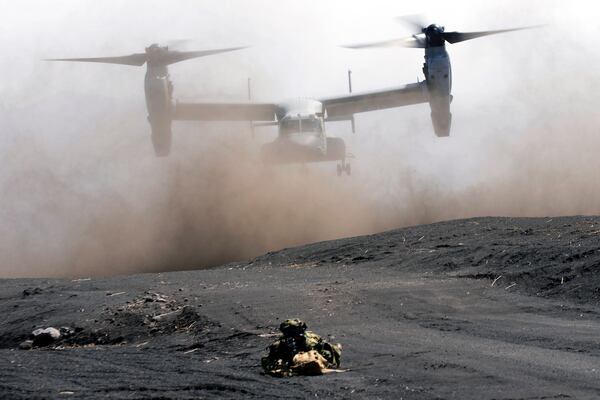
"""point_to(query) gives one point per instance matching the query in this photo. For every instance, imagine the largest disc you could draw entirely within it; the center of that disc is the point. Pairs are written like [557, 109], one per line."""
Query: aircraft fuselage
[302, 136]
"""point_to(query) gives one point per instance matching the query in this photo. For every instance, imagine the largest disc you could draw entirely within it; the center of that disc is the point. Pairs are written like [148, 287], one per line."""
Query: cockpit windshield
[302, 125]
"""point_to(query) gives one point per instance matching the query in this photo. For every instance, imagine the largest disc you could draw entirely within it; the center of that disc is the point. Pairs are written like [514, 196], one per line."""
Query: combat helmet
[292, 327]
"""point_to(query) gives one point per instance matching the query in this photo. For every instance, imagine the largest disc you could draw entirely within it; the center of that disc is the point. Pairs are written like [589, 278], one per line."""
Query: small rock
[32, 291]
[26, 345]
[66, 331]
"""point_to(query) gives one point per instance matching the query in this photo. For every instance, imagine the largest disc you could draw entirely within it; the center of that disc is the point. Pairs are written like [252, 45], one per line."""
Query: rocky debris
[32, 291]
[159, 313]
[155, 297]
[146, 316]
[67, 331]
[45, 337]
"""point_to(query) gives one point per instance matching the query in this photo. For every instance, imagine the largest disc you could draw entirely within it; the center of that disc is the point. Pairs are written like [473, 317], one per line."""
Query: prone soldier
[300, 352]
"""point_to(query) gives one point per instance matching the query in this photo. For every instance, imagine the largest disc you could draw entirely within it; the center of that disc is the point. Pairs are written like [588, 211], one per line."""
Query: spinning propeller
[432, 35]
[154, 56]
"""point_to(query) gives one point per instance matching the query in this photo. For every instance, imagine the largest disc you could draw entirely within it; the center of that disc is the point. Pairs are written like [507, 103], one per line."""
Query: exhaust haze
[83, 194]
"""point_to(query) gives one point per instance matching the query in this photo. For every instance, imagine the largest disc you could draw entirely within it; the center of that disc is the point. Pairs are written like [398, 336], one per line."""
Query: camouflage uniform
[296, 339]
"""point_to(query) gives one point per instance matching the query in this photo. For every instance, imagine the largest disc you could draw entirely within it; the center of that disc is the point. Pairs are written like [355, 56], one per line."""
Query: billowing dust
[114, 208]
[122, 210]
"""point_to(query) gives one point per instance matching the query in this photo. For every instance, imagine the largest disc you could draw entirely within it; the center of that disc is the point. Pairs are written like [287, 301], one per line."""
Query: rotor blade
[410, 42]
[457, 37]
[414, 21]
[173, 57]
[134, 59]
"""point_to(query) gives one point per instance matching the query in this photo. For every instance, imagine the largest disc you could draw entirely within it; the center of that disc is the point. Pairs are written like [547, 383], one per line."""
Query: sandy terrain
[490, 308]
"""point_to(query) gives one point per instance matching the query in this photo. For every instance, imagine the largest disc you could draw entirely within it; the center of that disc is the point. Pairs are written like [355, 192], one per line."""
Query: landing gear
[344, 167]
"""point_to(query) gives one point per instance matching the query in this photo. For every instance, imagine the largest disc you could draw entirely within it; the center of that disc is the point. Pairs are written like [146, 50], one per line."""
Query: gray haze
[83, 194]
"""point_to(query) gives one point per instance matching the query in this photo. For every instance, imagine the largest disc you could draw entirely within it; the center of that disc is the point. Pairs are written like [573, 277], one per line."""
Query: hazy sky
[75, 143]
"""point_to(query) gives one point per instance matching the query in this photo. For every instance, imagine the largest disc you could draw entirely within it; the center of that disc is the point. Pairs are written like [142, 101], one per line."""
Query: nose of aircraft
[304, 139]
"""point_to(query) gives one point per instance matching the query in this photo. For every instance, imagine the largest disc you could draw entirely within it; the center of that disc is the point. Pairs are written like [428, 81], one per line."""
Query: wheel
[348, 169]
[339, 170]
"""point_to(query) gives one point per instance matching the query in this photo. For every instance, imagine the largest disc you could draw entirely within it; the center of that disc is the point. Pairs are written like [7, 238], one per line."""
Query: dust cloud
[208, 205]
[83, 195]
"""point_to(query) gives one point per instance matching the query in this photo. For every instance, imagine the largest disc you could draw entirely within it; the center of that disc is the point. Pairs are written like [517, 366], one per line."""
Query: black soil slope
[490, 308]
[550, 257]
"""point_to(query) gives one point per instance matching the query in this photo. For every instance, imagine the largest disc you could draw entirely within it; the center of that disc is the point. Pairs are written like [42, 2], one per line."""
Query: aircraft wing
[345, 106]
[224, 111]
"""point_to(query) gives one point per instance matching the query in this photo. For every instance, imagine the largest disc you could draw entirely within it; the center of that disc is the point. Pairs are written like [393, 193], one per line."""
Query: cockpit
[309, 125]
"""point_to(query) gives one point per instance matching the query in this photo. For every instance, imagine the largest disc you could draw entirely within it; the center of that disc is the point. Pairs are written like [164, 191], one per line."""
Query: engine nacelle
[441, 117]
[159, 104]
[161, 138]
[438, 71]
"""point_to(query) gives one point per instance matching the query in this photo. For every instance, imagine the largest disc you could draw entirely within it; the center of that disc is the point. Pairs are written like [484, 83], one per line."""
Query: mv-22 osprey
[302, 135]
